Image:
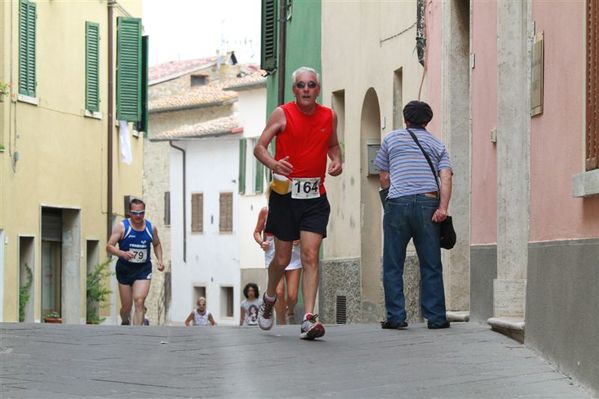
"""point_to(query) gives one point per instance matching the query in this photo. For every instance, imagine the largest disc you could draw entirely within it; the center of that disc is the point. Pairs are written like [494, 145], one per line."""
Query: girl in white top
[292, 271]
[250, 305]
[200, 316]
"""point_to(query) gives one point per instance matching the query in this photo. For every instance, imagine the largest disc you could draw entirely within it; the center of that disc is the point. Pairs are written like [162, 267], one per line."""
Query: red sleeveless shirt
[306, 141]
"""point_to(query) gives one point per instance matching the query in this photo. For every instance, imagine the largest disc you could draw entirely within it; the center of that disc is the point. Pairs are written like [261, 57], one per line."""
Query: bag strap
[426, 156]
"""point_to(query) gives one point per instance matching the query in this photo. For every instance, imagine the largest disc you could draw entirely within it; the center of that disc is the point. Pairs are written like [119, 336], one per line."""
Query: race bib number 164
[305, 188]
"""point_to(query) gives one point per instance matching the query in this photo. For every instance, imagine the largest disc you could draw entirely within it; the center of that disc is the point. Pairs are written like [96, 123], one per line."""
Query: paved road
[354, 361]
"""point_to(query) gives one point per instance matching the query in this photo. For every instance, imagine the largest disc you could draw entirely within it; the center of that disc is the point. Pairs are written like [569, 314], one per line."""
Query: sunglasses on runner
[311, 84]
[137, 213]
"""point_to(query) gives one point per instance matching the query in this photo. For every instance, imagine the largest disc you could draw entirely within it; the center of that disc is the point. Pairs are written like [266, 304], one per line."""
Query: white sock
[268, 298]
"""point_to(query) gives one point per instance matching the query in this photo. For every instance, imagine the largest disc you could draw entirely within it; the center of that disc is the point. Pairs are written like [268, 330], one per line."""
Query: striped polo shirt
[409, 171]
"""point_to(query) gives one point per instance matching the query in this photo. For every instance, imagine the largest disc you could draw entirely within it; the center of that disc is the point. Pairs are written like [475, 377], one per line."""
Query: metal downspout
[184, 193]
[110, 5]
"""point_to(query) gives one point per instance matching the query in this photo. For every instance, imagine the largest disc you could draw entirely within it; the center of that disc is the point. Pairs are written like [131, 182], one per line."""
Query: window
[167, 208]
[198, 80]
[226, 213]
[197, 213]
[92, 66]
[242, 161]
[268, 59]
[592, 94]
[258, 176]
[129, 69]
[27, 28]
[226, 301]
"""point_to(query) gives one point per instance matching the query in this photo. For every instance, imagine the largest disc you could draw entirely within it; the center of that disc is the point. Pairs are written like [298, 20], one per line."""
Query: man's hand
[282, 166]
[439, 215]
[265, 244]
[335, 168]
[127, 255]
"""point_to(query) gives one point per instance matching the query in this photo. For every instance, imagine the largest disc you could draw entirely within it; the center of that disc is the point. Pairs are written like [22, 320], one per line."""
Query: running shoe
[265, 319]
[311, 327]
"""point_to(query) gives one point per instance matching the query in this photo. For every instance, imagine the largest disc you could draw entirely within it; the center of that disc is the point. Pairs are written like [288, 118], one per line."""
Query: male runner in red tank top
[306, 132]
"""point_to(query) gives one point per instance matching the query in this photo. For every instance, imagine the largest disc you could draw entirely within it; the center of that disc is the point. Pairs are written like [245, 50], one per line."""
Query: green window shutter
[268, 60]
[242, 157]
[27, 28]
[92, 66]
[128, 80]
[259, 178]
[142, 125]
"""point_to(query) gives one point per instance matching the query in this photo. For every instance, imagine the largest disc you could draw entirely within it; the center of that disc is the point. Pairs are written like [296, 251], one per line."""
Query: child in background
[200, 316]
[250, 305]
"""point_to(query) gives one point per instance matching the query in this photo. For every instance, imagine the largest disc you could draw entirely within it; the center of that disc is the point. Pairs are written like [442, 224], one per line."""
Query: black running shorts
[288, 216]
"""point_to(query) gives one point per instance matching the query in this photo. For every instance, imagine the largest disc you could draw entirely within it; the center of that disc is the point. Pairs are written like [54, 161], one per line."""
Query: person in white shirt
[200, 316]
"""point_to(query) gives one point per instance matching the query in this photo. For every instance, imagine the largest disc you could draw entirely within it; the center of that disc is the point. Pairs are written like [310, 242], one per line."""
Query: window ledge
[586, 184]
[93, 114]
[27, 99]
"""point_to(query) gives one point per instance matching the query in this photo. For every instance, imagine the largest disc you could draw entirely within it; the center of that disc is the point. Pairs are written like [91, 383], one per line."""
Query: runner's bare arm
[189, 319]
[260, 225]
[115, 236]
[211, 319]
[157, 248]
[336, 164]
[275, 124]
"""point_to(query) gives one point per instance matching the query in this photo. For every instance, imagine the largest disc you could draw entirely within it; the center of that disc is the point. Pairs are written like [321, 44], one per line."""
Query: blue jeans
[405, 218]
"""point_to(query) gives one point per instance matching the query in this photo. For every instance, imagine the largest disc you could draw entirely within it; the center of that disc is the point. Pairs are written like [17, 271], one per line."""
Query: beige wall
[61, 153]
[359, 54]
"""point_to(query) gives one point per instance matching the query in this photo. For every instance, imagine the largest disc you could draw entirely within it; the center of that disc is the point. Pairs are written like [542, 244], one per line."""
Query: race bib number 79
[140, 255]
[305, 188]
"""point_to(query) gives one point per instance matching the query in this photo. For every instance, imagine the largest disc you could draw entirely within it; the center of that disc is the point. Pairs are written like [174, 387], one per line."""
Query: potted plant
[4, 90]
[25, 293]
[52, 317]
[97, 292]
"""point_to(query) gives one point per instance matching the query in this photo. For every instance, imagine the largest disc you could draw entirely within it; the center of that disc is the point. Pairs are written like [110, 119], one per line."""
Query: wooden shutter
[242, 162]
[128, 80]
[27, 31]
[259, 178]
[142, 125]
[197, 213]
[592, 94]
[226, 213]
[92, 66]
[268, 59]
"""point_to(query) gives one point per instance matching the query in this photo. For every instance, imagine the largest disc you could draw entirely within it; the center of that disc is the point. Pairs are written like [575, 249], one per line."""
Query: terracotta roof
[173, 69]
[211, 128]
[254, 79]
[203, 96]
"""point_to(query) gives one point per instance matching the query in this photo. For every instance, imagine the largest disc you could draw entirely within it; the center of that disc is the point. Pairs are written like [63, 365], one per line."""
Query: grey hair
[302, 70]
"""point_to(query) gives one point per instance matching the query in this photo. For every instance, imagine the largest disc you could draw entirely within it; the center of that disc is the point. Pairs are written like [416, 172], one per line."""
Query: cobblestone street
[351, 361]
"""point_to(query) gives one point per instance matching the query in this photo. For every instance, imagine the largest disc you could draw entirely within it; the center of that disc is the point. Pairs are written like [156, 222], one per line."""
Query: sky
[188, 29]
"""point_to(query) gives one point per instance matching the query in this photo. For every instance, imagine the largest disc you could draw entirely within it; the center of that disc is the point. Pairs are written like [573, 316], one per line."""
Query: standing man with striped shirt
[413, 209]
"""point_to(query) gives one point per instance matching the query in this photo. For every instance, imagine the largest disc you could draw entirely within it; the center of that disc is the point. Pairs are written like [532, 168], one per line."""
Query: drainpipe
[170, 142]
[110, 5]
[282, 46]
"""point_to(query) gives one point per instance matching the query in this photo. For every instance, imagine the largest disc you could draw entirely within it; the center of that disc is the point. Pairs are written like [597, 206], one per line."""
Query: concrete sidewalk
[351, 361]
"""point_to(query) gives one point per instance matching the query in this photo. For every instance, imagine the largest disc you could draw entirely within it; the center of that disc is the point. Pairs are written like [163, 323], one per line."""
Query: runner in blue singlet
[135, 236]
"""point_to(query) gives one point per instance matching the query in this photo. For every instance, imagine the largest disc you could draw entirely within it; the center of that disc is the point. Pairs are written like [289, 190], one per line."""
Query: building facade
[198, 121]
[61, 191]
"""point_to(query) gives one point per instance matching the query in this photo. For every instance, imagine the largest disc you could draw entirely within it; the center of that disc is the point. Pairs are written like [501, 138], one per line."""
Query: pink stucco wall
[557, 137]
[484, 109]
[484, 119]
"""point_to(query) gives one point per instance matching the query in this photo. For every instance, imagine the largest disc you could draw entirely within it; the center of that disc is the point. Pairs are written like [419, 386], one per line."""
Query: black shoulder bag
[448, 236]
